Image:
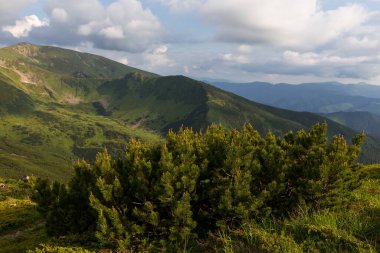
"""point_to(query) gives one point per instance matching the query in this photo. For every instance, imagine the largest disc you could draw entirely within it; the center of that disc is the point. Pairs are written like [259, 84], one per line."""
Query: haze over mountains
[354, 105]
[59, 105]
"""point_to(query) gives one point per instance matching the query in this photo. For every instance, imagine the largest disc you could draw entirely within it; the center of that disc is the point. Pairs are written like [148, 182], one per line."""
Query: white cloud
[241, 59]
[158, 57]
[24, 26]
[311, 58]
[285, 23]
[160, 50]
[10, 10]
[59, 15]
[245, 49]
[367, 44]
[112, 32]
[122, 25]
[124, 61]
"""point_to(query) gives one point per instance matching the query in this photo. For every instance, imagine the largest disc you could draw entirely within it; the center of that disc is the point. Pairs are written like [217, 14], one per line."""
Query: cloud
[323, 65]
[284, 23]
[123, 25]
[10, 10]
[312, 59]
[59, 15]
[235, 58]
[23, 27]
[245, 49]
[158, 57]
[181, 5]
[124, 60]
[160, 50]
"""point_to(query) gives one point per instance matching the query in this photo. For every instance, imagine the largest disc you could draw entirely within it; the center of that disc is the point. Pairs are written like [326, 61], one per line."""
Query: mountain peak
[25, 44]
[26, 49]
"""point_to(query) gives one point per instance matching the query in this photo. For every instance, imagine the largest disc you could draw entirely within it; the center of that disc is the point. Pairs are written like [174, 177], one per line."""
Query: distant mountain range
[354, 105]
[311, 97]
[58, 105]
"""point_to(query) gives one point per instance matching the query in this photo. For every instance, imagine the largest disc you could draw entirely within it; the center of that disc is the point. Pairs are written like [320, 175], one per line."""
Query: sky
[275, 41]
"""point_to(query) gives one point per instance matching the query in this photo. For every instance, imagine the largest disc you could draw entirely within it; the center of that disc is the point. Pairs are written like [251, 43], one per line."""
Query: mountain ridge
[313, 97]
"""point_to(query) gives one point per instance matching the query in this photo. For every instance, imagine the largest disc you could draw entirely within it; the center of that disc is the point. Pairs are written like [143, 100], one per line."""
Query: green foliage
[21, 225]
[13, 100]
[351, 229]
[56, 249]
[15, 189]
[195, 183]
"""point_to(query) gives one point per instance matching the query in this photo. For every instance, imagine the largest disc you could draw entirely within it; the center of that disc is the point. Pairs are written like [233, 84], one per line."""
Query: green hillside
[47, 117]
[58, 105]
[360, 121]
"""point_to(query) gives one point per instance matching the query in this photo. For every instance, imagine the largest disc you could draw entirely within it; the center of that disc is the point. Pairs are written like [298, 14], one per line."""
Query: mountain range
[354, 105]
[59, 105]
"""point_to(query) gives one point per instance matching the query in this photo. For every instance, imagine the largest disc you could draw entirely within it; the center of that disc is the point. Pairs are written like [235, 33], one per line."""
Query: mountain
[47, 117]
[59, 105]
[360, 121]
[312, 97]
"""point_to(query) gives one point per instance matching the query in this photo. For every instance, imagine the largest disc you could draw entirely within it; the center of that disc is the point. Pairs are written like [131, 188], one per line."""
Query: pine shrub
[166, 195]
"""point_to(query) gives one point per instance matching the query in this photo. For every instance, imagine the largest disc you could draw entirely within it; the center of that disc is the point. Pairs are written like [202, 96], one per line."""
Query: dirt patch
[49, 92]
[104, 103]
[27, 50]
[139, 122]
[72, 100]
[20, 232]
[13, 154]
[101, 107]
[3, 64]
[26, 77]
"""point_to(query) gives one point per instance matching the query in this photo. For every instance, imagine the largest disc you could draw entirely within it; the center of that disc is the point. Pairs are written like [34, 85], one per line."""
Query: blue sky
[238, 40]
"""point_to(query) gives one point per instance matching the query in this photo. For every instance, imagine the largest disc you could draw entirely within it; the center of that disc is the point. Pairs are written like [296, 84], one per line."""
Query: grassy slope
[171, 102]
[42, 133]
[21, 226]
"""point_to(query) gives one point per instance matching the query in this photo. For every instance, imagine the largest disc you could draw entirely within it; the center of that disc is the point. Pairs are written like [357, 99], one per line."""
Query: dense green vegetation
[21, 225]
[221, 190]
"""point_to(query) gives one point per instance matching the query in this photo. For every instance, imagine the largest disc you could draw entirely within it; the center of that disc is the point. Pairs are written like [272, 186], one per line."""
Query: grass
[355, 229]
[21, 226]
[24, 242]
[17, 214]
[42, 145]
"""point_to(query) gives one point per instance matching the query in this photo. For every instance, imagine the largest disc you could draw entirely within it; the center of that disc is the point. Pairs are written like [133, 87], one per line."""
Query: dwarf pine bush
[194, 183]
